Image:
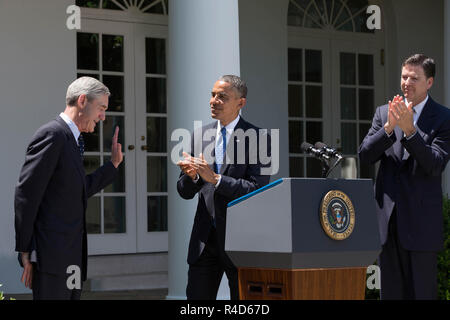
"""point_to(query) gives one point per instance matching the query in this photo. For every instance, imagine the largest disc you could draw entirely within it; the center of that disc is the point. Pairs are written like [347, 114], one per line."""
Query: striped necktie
[81, 145]
[221, 149]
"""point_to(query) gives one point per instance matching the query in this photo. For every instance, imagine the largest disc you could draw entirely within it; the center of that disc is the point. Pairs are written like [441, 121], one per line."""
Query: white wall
[37, 62]
[263, 51]
[417, 28]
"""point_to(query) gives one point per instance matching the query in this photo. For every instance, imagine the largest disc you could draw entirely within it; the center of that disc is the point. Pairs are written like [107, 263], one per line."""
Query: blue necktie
[81, 145]
[221, 149]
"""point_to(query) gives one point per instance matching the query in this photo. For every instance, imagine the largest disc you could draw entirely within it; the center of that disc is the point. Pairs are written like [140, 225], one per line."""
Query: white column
[203, 45]
[446, 70]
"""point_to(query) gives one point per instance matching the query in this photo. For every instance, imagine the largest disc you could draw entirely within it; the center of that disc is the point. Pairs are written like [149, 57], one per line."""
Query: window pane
[112, 53]
[87, 51]
[116, 87]
[114, 215]
[295, 15]
[118, 184]
[108, 4]
[155, 55]
[157, 9]
[88, 3]
[348, 104]
[156, 95]
[96, 76]
[361, 23]
[296, 167]
[109, 127]
[366, 104]
[91, 163]
[157, 213]
[363, 131]
[156, 134]
[344, 16]
[348, 68]
[295, 136]
[348, 138]
[365, 64]
[313, 65]
[156, 174]
[295, 97]
[295, 64]
[313, 102]
[93, 216]
[313, 132]
[313, 168]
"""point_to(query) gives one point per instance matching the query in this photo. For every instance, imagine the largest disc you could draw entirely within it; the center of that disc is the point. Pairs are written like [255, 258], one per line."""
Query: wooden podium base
[302, 284]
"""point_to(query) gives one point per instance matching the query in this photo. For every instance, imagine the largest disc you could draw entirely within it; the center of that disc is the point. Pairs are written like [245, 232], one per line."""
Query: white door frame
[146, 241]
[120, 242]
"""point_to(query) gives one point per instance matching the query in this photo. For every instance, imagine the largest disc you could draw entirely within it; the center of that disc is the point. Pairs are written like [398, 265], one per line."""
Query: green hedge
[443, 260]
[444, 256]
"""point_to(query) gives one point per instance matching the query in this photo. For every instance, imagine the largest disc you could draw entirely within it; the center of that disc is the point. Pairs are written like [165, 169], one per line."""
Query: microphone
[310, 149]
[329, 151]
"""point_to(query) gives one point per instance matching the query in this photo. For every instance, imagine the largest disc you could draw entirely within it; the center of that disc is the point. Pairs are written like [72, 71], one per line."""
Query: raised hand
[392, 116]
[188, 166]
[405, 117]
[116, 149]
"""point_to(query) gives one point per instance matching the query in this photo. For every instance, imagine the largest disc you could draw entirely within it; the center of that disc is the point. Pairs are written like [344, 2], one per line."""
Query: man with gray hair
[51, 194]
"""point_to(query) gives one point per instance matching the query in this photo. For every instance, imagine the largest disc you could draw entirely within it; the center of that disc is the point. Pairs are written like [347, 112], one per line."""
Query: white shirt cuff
[407, 138]
[196, 178]
[218, 182]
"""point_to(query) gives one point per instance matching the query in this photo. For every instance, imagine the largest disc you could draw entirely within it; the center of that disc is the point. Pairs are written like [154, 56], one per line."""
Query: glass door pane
[307, 96]
[358, 89]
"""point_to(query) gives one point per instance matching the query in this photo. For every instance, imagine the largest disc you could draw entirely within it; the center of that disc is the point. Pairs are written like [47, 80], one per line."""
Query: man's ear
[430, 82]
[242, 102]
[82, 101]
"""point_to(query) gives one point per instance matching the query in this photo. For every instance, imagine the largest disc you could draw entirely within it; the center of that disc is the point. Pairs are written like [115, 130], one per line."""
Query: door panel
[105, 51]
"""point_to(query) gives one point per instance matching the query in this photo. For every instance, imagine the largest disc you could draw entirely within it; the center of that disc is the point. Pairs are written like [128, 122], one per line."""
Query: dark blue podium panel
[280, 226]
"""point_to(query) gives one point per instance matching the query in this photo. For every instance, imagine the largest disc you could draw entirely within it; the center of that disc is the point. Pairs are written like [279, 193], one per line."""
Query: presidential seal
[337, 215]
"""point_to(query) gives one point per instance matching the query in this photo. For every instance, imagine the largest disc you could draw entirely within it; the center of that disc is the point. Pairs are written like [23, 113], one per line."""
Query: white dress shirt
[73, 127]
[229, 129]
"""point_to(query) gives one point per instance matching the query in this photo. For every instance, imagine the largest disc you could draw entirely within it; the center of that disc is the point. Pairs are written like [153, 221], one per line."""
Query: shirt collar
[229, 127]
[419, 107]
[73, 127]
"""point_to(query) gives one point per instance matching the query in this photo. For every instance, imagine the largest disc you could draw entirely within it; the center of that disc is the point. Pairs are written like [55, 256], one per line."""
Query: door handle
[131, 147]
[144, 148]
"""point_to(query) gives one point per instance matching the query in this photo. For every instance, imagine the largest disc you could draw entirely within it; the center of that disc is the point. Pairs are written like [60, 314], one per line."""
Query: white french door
[358, 88]
[309, 91]
[334, 85]
[130, 215]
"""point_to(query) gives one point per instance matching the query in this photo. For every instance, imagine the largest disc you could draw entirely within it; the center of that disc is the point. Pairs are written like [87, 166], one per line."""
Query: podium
[304, 239]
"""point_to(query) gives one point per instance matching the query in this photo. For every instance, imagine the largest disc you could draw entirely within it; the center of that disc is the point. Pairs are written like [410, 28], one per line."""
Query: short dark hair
[427, 64]
[236, 83]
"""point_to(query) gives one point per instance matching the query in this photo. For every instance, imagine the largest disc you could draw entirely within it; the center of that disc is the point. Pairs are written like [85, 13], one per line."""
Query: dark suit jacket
[237, 180]
[51, 198]
[411, 181]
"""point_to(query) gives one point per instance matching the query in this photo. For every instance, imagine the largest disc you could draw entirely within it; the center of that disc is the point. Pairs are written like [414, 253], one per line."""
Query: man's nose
[103, 116]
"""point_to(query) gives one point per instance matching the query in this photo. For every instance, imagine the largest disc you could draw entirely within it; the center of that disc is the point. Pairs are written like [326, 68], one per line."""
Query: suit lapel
[424, 123]
[239, 125]
[74, 151]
